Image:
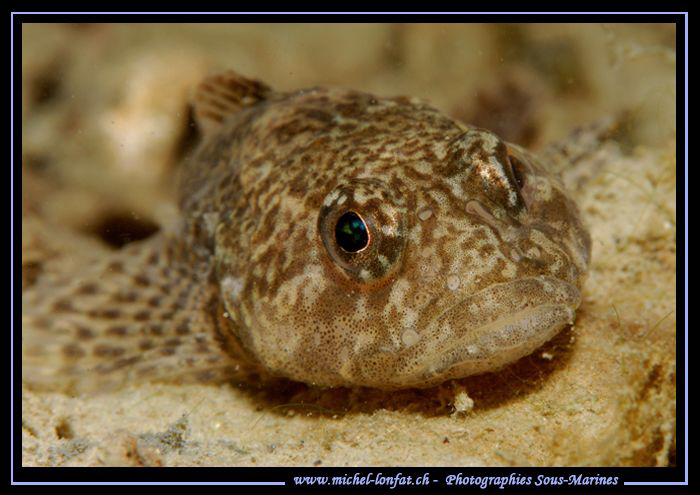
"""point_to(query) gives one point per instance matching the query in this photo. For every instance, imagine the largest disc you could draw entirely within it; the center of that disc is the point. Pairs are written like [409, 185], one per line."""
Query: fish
[326, 236]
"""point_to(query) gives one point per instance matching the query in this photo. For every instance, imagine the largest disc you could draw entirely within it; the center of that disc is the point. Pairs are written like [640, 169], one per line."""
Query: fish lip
[504, 338]
[461, 365]
[567, 289]
[443, 355]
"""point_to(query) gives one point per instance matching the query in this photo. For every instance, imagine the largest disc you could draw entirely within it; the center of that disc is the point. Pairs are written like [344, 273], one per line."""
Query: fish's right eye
[362, 227]
[351, 233]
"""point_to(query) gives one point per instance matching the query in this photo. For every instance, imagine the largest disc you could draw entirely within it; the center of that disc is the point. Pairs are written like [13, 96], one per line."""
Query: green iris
[351, 232]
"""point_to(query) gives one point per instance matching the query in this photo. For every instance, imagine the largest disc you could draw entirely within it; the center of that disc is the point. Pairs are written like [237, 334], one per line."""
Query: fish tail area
[141, 314]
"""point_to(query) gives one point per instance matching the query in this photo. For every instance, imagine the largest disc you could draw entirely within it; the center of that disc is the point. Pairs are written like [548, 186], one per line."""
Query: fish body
[331, 237]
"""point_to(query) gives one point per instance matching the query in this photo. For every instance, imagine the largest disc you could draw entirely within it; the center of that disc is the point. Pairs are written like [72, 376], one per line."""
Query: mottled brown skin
[476, 254]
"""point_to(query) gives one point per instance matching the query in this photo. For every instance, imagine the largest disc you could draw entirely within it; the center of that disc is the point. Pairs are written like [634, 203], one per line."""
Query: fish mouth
[498, 325]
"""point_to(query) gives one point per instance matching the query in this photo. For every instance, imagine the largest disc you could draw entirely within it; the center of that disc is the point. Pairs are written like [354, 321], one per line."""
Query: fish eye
[351, 233]
[362, 225]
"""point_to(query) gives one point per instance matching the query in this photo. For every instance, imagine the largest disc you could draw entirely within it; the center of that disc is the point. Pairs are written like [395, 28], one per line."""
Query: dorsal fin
[223, 94]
